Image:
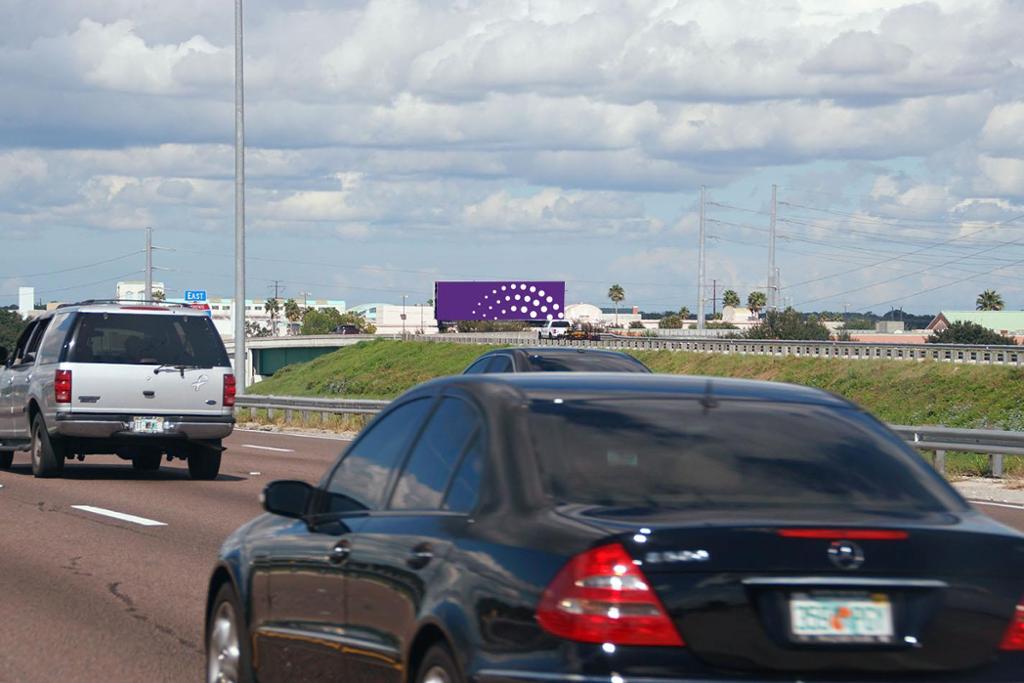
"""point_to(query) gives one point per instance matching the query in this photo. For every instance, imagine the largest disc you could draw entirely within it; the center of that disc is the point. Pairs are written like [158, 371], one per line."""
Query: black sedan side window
[477, 367]
[500, 363]
[435, 456]
[359, 481]
[465, 486]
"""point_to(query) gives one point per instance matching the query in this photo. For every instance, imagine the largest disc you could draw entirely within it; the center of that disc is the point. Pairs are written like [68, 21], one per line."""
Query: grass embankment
[900, 392]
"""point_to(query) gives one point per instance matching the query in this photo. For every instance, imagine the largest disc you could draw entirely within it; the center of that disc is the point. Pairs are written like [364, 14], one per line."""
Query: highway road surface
[103, 572]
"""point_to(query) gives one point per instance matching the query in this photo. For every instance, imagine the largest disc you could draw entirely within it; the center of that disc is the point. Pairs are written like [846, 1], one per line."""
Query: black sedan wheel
[438, 667]
[6, 460]
[227, 645]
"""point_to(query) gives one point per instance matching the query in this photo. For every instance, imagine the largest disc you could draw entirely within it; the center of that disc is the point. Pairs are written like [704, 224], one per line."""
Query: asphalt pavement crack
[135, 613]
[73, 567]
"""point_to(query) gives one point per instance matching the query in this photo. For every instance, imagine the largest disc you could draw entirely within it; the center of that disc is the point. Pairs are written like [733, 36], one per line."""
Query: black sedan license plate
[841, 618]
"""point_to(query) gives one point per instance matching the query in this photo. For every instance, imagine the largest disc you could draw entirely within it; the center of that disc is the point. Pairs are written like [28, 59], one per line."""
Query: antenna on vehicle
[708, 400]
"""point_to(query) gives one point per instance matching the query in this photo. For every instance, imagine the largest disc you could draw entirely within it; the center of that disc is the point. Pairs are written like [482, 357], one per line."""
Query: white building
[223, 312]
[26, 301]
[387, 318]
[135, 290]
[589, 313]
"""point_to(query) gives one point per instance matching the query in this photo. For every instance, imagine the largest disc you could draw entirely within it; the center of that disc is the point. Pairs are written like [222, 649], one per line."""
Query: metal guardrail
[944, 353]
[994, 442]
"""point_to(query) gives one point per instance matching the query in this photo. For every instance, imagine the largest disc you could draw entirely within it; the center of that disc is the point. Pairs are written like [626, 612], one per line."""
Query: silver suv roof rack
[93, 302]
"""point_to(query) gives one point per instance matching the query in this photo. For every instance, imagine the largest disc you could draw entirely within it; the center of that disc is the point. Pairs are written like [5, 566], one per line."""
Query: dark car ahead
[613, 527]
[347, 329]
[549, 359]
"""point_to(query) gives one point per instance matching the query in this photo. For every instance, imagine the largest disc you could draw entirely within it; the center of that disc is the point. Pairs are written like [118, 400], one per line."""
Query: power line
[83, 284]
[917, 272]
[82, 267]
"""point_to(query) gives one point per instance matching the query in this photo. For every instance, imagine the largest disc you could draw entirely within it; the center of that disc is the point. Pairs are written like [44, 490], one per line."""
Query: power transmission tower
[773, 282]
[149, 264]
[700, 267]
[277, 288]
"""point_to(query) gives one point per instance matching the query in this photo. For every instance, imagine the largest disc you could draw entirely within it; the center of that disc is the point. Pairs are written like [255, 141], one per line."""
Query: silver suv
[136, 380]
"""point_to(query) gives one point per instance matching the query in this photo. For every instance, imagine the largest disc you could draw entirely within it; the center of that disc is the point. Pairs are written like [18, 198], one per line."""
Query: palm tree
[684, 312]
[730, 298]
[989, 300]
[158, 295]
[616, 293]
[756, 301]
[273, 307]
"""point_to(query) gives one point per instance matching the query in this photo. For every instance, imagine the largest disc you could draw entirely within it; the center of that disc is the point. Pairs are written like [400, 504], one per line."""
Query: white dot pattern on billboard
[537, 302]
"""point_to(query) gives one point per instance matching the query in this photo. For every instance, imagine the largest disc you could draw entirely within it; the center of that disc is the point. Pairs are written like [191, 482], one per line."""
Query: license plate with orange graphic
[861, 619]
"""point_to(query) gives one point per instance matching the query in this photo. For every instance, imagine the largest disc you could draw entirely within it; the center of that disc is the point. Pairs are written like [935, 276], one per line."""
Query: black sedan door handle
[420, 556]
[340, 552]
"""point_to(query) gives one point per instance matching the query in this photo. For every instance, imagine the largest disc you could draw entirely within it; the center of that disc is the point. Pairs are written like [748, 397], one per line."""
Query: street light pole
[403, 315]
[240, 374]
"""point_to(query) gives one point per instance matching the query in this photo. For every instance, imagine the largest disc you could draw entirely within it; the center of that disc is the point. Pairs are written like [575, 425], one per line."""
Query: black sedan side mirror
[287, 498]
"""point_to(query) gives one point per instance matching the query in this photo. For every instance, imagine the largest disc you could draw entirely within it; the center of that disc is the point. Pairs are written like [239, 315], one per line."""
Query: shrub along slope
[901, 392]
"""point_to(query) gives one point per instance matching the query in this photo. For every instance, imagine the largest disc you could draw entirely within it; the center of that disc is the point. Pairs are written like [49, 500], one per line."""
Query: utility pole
[149, 265]
[240, 355]
[714, 299]
[773, 285]
[700, 267]
[403, 315]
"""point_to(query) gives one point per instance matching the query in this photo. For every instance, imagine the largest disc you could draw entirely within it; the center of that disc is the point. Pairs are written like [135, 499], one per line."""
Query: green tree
[671, 322]
[989, 300]
[11, 326]
[730, 298]
[322, 321]
[158, 295]
[788, 324]
[616, 293]
[636, 325]
[966, 332]
[292, 311]
[273, 308]
[326, 320]
[254, 329]
[684, 313]
[756, 301]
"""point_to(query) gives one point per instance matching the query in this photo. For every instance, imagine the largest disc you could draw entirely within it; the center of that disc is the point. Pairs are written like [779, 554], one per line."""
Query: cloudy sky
[394, 142]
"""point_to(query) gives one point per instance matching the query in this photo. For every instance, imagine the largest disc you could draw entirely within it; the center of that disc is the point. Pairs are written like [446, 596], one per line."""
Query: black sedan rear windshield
[677, 453]
[148, 339]
[585, 362]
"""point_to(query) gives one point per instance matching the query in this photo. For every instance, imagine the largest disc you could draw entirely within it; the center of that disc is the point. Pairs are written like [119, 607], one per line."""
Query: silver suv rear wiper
[174, 367]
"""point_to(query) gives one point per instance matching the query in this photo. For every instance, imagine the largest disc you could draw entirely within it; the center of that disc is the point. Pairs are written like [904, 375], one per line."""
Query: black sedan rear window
[145, 339]
[585, 362]
[677, 453]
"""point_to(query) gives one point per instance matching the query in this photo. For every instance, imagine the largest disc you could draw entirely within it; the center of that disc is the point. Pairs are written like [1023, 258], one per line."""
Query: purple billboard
[504, 300]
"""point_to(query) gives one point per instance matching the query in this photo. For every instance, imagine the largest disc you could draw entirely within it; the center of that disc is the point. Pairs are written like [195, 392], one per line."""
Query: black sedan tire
[6, 460]
[47, 453]
[228, 654]
[438, 666]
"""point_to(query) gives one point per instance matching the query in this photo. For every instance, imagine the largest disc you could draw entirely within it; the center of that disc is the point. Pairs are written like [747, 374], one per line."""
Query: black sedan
[549, 359]
[614, 527]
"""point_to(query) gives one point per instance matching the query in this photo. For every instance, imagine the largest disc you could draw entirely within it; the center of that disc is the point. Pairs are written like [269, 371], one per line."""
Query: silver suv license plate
[148, 425]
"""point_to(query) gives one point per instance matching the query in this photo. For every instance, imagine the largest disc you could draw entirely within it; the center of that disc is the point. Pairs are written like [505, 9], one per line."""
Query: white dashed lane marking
[998, 505]
[141, 521]
[268, 448]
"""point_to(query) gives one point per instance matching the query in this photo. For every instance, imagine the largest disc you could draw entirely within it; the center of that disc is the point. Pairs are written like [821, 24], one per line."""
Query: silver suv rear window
[127, 339]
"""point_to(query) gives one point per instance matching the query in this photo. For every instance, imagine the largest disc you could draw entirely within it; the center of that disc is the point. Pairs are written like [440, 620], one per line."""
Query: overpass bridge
[266, 355]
